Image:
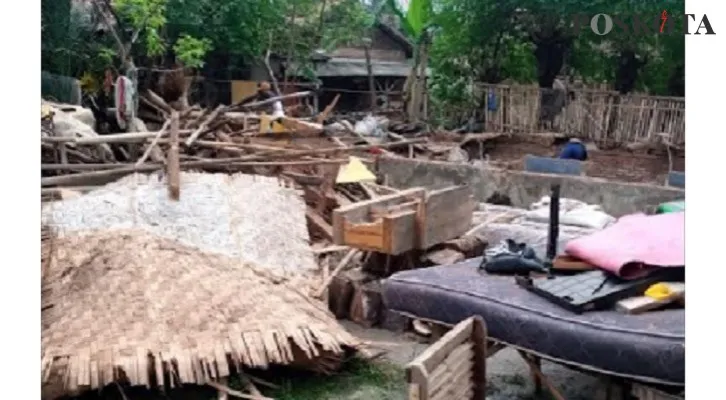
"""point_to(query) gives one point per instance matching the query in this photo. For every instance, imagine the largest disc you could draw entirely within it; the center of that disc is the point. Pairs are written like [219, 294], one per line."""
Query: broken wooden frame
[441, 332]
[403, 221]
[453, 368]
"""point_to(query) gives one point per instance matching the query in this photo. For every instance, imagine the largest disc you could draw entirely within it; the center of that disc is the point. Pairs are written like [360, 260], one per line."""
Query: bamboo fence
[600, 115]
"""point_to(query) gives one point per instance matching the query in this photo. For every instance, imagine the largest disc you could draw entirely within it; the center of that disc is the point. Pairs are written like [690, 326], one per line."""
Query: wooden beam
[319, 223]
[447, 215]
[342, 264]
[641, 304]
[324, 115]
[172, 171]
[90, 178]
[154, 142]
[270, 101]
[203, 127]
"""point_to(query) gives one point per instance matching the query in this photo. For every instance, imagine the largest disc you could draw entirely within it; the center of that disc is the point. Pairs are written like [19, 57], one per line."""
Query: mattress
[649, 347]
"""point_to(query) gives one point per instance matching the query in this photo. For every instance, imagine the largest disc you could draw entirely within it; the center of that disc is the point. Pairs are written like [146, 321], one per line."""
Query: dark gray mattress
[649, 347]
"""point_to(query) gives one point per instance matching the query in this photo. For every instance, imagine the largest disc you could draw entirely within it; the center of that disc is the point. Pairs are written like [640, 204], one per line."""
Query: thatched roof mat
[130, 301]
[248, 217]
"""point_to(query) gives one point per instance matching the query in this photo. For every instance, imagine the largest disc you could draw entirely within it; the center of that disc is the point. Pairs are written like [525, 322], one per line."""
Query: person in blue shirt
[574, 150]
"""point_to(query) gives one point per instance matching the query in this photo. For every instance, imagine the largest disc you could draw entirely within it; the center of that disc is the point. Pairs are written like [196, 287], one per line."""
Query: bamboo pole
[82, 179]
[172, 168]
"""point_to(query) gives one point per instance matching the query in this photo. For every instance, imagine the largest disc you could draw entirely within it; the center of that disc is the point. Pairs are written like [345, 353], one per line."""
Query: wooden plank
[367, 303]
[154, 142]
[173, 169]
[324, 115]
[418, 382]
[448, 214]
[300, 126]
[330, 249]
[340, 294]
[203, 127]
[343, 263]
[400, 232]
[390, 234]
[640, 304]
[481, 354]
[367, 235]
[453, 367]
[377, 212]
[437, 352]
[319, 223]
[380, 189]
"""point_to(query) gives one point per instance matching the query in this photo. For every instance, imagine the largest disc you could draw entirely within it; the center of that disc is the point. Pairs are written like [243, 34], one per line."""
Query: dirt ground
[616, 164]
[507, 374]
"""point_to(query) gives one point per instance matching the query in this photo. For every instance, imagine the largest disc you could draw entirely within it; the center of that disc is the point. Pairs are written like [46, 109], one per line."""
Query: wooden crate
[410, 219]
[454, 367]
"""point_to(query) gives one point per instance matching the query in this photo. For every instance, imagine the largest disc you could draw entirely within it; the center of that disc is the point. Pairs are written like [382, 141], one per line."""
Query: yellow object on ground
[659, 291]
[45, 111]
[354, 171]
[267, 125]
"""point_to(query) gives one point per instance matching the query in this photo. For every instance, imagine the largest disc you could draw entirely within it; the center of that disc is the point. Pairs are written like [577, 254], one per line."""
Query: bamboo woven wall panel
[130, 305]
[600, 115]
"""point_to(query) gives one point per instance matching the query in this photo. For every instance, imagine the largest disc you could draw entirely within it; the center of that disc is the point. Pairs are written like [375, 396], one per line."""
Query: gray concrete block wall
[525, 188]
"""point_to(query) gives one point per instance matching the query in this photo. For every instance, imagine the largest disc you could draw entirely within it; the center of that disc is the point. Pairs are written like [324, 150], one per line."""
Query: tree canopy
[526, 41]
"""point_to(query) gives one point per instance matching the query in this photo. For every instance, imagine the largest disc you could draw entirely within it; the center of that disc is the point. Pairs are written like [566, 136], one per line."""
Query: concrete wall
[524, 188]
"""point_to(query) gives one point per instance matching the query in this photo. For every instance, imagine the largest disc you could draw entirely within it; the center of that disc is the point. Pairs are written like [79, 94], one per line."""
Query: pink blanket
[634, 243]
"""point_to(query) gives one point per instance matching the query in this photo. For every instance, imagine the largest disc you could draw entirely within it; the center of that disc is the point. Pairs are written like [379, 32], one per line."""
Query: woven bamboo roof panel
[130, 301]
[248, 217]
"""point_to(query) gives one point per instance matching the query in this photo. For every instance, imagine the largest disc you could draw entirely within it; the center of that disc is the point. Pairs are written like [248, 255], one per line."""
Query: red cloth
[634, 243]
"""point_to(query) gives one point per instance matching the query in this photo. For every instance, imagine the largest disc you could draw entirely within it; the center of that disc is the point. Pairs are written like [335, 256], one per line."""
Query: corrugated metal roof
[357, 67]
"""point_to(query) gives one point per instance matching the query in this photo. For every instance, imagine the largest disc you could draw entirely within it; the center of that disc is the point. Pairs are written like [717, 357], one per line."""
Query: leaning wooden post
[172, 159]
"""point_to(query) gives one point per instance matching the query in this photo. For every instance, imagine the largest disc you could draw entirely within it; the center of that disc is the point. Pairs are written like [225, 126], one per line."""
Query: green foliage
[477, 38]
[236, 26]
[473, 40]
[358, 379]
[414, 19]
[345, 23]
[148, 17]
[67, 45]
[191, 51]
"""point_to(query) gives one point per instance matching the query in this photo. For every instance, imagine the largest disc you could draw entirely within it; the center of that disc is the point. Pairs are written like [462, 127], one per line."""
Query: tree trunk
[422, 81]
[417, 81]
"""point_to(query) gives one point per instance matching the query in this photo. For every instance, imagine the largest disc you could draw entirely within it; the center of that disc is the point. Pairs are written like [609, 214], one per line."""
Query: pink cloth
[633, 243]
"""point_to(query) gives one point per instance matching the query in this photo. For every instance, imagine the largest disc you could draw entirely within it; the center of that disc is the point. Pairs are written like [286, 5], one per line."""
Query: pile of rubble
[291, 196]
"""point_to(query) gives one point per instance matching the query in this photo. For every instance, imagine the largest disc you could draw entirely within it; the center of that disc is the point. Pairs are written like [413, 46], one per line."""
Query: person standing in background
[265, 92]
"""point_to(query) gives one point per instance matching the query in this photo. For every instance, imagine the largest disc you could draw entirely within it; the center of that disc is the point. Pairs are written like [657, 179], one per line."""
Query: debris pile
[131, 307]
[213, 208]
[250, 218]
